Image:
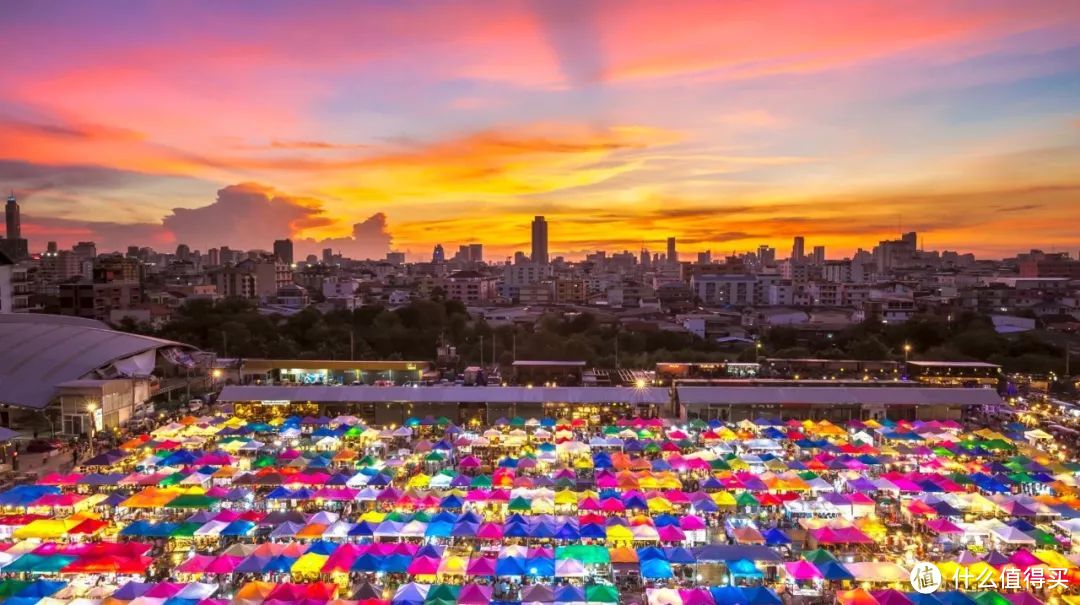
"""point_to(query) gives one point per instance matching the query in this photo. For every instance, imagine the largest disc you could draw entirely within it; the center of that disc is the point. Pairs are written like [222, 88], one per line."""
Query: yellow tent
[309, 564]
[419, 480]
[373, 516]
[659, 505]
[1053, 559]
[46, 528]
[453, 565]
[619, 533]
[724, 499]
[566, 496]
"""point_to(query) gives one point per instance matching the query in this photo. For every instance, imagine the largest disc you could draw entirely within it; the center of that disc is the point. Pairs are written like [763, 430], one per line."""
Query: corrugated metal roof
[439, 394]
[601, 395]
[836, 395]
[39, 352]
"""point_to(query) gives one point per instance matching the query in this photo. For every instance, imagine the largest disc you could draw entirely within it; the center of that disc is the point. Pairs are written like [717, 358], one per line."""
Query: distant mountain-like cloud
[244, 216]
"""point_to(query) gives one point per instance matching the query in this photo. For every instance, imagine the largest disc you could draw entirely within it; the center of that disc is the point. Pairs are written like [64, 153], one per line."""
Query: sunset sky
[727, 124]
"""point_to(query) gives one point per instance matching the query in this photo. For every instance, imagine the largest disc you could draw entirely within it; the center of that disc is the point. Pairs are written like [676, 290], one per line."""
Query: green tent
[480, 482]
[442, 421]
[192, 501]
[422, 516]
[989, 597]
[519, 504]
[397, 516]
[173, 479]
[434, 457]
[185, 530]
[746, 499]
[586, 553]
[818, 556]
[697, 424]
[719, 465]
[601, 593]
[264, 461]
[39, 563]
[443, 592]
[1043, 538]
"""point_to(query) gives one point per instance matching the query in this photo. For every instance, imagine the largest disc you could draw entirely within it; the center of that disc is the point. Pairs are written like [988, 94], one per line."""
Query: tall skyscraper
[283, 250]
[438, 255]
[539, 240]
[476, 253]
[213, 257]
[672, 255]
[798, 250]
[11, 212]
[819, 255]
[14, 246]
[183, 252]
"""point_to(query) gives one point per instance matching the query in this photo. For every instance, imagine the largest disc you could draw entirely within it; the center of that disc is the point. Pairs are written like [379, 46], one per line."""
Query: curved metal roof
[39, 352]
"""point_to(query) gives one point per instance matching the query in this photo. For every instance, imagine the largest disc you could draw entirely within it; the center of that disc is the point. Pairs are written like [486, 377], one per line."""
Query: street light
[907, 350]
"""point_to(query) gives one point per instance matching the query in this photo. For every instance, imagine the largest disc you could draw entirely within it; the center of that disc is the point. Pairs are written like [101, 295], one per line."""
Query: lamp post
[907, 350]
[91, 409]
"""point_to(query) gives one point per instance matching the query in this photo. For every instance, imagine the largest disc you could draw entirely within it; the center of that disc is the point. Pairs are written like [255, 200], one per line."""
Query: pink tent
[474, 594]
[692, 523]
[481, 566]
[489, 531]
[1024, 559]
[671, 533]
[196, 564]
[424, 566]
[943, 526]
[223, 564]
[802, 570]
[164, 590]
[696, 596]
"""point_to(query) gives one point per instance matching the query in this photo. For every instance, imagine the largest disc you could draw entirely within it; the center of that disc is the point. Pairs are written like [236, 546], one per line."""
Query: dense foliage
[235, 328]
[964, 337]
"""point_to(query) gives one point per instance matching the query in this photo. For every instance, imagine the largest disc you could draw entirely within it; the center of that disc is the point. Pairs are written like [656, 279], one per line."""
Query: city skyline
[405, 126]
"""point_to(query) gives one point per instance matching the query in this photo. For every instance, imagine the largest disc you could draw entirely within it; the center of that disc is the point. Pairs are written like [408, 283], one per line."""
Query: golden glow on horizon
[750, 124]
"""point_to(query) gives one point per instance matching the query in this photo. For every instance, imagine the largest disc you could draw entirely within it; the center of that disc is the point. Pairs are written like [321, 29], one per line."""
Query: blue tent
[537, 568]
[831, 570]
[759, 595]
[728, 595]
[655, 569]
[510, 566]
[775, 537]
[237, 528]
